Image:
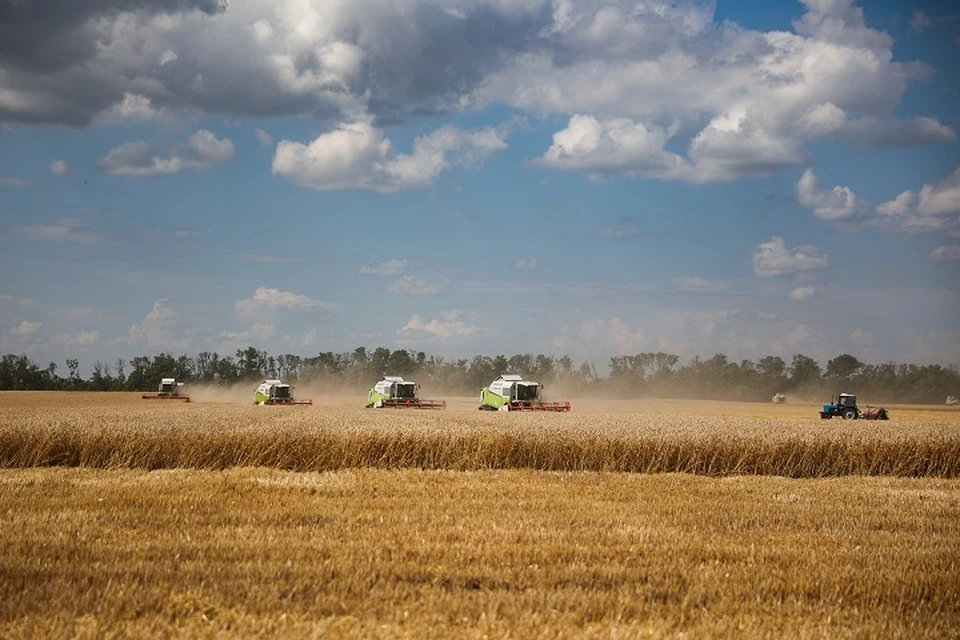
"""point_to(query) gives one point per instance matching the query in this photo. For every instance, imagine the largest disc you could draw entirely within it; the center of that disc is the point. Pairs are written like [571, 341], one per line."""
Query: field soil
[131, 518]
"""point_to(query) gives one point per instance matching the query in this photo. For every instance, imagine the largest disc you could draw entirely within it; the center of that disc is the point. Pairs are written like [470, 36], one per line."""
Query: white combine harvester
[274, 392]
[168, 389]
[513, 393]
[779, 398]
[396, 393]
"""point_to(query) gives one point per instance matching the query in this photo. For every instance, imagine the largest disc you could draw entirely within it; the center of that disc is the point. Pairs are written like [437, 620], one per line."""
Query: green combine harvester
[393, 392]
[513, 393]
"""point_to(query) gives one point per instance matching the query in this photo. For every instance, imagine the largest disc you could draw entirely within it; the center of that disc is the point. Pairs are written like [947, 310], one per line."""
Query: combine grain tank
[274, 392]
[393, 392]
[168, 389]
[513, 393]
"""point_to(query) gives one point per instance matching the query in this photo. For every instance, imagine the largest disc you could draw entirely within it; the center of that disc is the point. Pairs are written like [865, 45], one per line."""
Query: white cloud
[68, 230]
[134, 107]
[357, 156]
[803, 293]
[775, 259]
[202, 150]
[259, 333]
[699, 285]
[448, 326]
[59, 167]
[15, 182]
[409, 285]
[392, 267]
[935, 207]
[264, 138]
[919, 21]
[840, 203]
[8, 299]
[265, 302]
[946, 252]
[26, 328]
[159, 328]
[85, 338]
[526, 263]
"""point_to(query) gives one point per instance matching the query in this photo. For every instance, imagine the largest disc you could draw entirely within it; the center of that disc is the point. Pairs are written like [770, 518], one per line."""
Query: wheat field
[659, 519]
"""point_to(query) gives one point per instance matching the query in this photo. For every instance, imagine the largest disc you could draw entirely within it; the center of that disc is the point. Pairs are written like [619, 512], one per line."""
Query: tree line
[644, 374]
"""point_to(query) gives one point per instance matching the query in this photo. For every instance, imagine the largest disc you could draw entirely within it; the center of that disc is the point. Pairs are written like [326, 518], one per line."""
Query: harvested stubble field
[124, 518]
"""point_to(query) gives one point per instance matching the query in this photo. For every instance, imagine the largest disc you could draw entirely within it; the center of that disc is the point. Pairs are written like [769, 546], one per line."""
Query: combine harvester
[168, 389]
[513, 393]
[396, 393]
[273, 392]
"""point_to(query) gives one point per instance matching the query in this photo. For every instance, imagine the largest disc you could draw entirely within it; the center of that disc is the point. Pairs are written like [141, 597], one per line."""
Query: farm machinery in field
[845, 406]
[513, 393]
[393, 392]
[274, 392]
[168, 389]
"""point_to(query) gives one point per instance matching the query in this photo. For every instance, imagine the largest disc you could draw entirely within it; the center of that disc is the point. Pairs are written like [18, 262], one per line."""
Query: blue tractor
[843, 406]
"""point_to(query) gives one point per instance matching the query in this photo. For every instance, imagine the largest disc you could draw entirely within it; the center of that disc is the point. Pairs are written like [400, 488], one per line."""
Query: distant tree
[804, 370]
[843, 367]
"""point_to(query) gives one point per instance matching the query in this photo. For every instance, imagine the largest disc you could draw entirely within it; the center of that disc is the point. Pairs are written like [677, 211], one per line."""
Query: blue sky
[480, 176]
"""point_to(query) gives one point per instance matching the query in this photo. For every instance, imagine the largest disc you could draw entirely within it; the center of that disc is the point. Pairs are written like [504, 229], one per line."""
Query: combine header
[272, 392]
[513, 393]
[168, 389]
[396, 393]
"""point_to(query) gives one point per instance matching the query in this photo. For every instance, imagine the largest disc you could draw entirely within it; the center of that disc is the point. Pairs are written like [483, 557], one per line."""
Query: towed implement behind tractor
[168, 389]
[273, 392]
[513, 393]
[394, 392]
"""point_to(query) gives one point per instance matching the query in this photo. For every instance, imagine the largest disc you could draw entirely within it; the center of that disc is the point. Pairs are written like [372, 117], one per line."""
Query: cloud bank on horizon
[480, 176]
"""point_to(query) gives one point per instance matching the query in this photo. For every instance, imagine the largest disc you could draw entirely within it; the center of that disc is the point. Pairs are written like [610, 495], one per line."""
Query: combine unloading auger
[393, 392]
[168, 389]
[275, 392]
[513, 393]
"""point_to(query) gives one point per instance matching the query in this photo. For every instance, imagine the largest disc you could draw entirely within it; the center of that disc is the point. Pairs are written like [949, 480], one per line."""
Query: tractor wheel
[850, 414]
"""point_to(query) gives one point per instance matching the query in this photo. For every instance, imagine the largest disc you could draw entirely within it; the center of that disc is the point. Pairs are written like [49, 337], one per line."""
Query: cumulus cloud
[946, 252]
[644, 72]
[17, 300]
[775, 259]
[526, 263]
[409, 285]
[803, 293]
[358, 156]
[15, 182]
[66, 230]
[26, 328]
[160, 328]
[447, 326]
[59, 167]
[202, 150]
[265, 302]
[840, 203]
[934, 207]
[388, 268]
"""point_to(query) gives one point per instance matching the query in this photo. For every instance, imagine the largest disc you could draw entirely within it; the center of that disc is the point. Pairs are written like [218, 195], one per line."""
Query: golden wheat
[118, 432]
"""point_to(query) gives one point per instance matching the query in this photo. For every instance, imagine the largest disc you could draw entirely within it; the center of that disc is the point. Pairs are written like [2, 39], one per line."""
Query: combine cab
[168, 389]
[513, 393]
[272, 392]
[396, 393]
[845, 406]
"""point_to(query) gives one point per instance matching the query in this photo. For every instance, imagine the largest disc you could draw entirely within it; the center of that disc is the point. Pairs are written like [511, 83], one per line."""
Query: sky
[581, 177]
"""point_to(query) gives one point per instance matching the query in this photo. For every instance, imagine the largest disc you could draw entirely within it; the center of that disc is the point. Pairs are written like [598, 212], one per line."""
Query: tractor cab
[847, 400]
